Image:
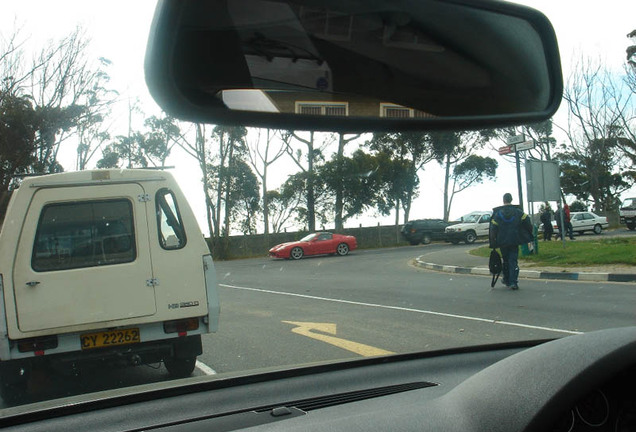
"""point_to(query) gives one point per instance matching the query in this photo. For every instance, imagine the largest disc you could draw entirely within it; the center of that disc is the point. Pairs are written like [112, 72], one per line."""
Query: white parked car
[473, 225]
[585, 221]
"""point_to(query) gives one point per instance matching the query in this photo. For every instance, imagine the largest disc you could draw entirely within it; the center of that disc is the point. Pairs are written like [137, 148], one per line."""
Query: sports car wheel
[342, 249]
[470, 237]
[598, 229]
[296, 253]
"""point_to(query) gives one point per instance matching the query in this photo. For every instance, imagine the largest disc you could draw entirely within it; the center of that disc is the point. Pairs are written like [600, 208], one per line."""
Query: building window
[323, 108]
[326, 24]
[84, 234]
[390, 110]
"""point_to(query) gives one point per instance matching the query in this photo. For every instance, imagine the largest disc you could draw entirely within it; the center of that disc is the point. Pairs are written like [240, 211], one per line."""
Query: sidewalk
[457, 259]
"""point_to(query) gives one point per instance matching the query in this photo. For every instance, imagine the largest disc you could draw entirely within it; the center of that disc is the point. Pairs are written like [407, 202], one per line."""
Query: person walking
[509, 228]
[569, 229]
[557, 218]
[546, 220]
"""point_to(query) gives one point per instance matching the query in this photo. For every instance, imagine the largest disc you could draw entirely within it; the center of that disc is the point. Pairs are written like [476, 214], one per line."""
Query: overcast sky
[118, 30]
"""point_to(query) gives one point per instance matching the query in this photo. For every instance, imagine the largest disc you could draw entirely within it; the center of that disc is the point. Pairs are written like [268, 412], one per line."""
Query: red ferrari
[315, 244]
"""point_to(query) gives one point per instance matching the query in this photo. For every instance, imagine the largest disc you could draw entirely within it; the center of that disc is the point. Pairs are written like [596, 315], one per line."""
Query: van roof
[92, 177]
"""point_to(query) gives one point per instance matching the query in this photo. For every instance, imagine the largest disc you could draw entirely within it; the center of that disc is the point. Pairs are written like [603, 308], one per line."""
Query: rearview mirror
[352, 65]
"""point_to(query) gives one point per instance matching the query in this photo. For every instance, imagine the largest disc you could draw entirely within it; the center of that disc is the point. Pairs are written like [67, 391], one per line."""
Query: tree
[594, 163]
[91, 130]
[410, 151]
[578, 206]
[398, 182]
[67, 91]
[124, 151]
[338, 187]
[162, 135]
[17, 143]
[355, 179]
[262, 154]
[283, 203]
[631, 61]
[295, 190]
[197, 147]
[451, 149]
[312, 156]
[472, 170]
[230, 146]
[243, 197]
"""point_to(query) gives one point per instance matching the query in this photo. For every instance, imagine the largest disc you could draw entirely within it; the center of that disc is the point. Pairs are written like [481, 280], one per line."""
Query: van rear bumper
[123, 356]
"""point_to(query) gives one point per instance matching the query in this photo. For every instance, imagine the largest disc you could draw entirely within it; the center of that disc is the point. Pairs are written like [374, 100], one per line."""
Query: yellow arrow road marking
[305, 329]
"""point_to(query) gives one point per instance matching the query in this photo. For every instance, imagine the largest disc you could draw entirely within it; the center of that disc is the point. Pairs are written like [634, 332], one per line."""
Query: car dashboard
[577, 383]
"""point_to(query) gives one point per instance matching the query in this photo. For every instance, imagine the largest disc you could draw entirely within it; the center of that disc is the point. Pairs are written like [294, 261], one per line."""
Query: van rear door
[83, 257]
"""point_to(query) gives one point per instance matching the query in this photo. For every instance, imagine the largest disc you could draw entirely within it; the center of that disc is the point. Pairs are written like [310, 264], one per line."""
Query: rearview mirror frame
[192, 105]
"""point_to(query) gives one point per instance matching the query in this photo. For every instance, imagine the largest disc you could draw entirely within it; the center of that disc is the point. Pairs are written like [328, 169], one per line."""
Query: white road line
[205, 368]
[427, 312]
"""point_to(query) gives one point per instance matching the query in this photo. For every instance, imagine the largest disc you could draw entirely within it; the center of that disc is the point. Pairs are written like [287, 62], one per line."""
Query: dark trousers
[547, 231]
[510, 270]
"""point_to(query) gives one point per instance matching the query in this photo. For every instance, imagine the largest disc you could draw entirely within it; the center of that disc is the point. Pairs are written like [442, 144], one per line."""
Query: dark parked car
[424, 230]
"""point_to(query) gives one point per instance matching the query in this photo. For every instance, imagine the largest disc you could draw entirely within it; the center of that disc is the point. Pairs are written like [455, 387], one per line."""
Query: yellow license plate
[110, 338]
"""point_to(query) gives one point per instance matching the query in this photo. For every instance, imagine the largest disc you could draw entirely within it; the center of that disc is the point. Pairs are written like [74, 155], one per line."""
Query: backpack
[494, 265]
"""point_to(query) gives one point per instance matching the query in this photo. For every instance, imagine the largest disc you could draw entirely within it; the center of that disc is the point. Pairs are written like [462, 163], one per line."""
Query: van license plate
[110, 338]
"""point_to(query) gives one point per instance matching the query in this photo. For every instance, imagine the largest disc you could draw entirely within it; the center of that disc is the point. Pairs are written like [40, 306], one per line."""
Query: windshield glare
[156, 232]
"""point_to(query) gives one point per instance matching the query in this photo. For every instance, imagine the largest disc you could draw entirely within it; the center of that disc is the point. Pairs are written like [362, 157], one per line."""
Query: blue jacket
[509, 226]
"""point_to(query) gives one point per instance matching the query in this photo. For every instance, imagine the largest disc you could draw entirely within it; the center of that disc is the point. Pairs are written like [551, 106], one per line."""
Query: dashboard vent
[354, 396]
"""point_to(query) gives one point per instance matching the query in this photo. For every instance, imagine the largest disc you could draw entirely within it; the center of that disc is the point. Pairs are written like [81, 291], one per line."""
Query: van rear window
[84, 234]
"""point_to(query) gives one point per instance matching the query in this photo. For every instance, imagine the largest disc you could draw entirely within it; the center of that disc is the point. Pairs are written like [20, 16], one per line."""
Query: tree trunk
[397, 220]
[311, 212]
[228, 205]
[446, 181]
[339, 198]
[265, 203]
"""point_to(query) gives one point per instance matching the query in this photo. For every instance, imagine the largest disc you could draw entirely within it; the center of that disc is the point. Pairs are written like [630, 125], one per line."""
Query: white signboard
[516, 139]
[526, 145]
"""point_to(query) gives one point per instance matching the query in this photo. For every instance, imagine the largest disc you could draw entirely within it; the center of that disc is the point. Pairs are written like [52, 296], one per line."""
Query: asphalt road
[277, 312]
[378, 299]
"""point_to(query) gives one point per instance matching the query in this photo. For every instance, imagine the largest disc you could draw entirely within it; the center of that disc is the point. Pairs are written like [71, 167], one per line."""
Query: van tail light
[182, 327]
[37, 345]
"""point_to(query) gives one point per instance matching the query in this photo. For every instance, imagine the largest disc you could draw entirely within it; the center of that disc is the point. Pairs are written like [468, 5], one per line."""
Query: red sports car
[315, 244]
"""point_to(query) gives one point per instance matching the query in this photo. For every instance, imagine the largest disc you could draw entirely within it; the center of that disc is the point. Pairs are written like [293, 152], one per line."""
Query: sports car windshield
[118, 277]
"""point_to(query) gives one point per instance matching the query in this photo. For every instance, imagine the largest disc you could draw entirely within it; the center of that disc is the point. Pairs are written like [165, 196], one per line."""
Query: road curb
[533, 274]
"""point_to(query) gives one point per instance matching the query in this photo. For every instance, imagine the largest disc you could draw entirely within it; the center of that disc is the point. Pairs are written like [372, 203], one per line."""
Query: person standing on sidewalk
[509, 228]
[557, 218]
[546, 220]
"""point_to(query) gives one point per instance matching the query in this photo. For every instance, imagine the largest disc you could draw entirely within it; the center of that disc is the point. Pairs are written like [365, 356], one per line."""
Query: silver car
[586, 221]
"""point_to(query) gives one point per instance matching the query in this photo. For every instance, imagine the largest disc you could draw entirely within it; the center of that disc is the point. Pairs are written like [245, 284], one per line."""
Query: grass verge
[579, 253]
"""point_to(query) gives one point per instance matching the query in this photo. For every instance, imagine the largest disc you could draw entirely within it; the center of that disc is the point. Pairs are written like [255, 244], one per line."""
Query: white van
[105, 265]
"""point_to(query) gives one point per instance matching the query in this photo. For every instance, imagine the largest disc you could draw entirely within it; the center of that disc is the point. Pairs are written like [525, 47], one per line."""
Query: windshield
[630, 203]
[150, 256]
[471, 218]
